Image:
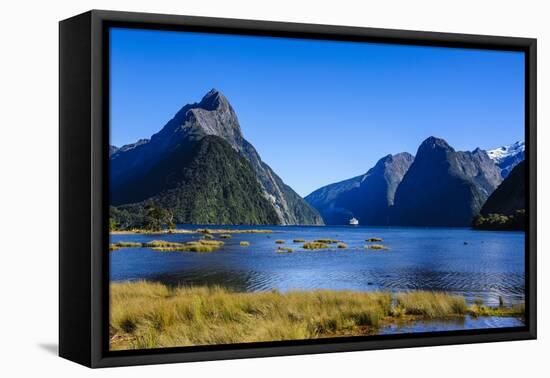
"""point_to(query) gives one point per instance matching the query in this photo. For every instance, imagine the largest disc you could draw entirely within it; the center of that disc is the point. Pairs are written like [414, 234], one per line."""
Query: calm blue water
[476, 264]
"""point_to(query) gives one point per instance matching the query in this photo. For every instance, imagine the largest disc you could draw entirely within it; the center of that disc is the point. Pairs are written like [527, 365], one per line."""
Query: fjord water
[475, 264]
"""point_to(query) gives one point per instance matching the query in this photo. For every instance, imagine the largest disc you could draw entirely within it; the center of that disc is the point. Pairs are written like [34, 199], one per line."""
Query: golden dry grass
[431, 304]
[314, 245]
[378, 247]
[151, 315]
[326, 241]
[202, 245]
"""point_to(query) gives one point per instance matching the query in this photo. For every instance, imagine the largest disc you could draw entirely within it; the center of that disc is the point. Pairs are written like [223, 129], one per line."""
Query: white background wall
[29, 186]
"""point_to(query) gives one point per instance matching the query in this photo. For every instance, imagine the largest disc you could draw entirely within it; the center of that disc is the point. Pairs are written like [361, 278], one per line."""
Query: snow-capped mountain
[507, 157]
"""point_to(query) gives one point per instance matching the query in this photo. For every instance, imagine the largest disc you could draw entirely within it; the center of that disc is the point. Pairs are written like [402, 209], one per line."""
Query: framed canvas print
[233, 188]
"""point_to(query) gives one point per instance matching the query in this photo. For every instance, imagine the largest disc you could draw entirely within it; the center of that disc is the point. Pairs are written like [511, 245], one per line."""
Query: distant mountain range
[507, 157]
[437, 187]
[367, 197]
[200, 167]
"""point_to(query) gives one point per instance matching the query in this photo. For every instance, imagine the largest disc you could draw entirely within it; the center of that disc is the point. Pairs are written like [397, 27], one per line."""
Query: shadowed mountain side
[212, 184]
[442, 187]
[510, 195]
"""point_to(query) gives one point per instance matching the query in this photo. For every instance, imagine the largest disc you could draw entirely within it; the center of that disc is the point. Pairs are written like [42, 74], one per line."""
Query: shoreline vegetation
[501, 222]
[209, 244]
[152, 315]
[207, 231]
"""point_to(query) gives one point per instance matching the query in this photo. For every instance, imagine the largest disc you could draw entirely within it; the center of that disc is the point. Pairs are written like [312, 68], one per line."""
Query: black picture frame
[83, 196]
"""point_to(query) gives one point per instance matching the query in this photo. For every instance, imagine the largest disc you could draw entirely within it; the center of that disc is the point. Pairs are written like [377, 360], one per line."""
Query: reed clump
[127, 244]
[431, 304]
[279, 241]
[482, 310]
[326, 241]
[374, 240]
[202, 245]
[377, 247]
[298, 241]
[342, 245]
[244, 244]
[314, 245]
[284, 250]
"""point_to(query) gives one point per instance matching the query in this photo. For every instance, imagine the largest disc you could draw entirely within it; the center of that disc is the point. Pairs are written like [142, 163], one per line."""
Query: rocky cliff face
[367, 197]
[444, 187]
[212, 116]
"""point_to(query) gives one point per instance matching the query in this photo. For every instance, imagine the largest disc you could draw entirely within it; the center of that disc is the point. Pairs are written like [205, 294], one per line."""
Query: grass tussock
[374, 240]
[377, 247]
[126, 244]
[517, 310]
[151, 315]
[299, 241]
[186, 231]
[123, 244]
[202, 245]
[244, 244]
[279, 241]
[284, 250]
[431, 304]
[225, 236]
[226, 231]
[314, 245]
[342, 245]
[326, 241]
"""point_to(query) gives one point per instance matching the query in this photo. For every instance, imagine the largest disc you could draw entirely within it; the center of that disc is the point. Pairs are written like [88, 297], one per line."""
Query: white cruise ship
[353, 221]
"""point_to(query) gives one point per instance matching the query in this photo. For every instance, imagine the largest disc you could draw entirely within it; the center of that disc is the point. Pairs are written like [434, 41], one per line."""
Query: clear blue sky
[317, 111]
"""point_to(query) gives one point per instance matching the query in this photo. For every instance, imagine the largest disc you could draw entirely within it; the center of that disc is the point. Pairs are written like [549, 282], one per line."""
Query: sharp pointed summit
[214, 117]
[213, 100]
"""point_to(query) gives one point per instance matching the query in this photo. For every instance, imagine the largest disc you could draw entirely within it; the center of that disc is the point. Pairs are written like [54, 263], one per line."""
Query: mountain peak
[507, 157]
[213, 100]
[435, 142]
[433, 145]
